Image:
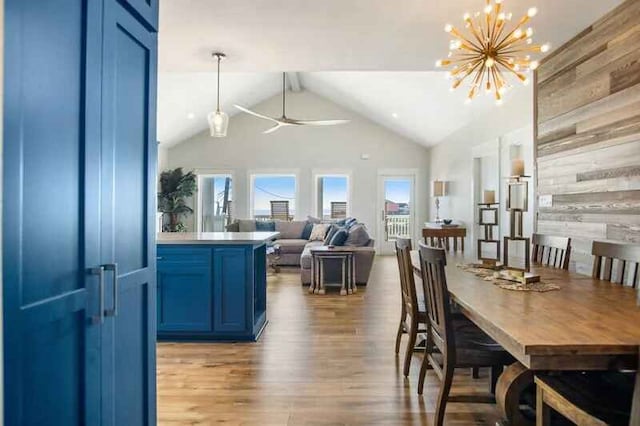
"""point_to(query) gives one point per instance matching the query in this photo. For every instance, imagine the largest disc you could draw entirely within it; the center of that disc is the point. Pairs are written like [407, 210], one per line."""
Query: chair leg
[401, 330]
[423, 372]
[411, 343]
[475, 372]
[443, 396]
[543, 411]
[496, 371]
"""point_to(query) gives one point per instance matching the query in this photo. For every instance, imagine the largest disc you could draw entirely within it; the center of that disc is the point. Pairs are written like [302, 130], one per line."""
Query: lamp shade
[439, 188]
[218, 123]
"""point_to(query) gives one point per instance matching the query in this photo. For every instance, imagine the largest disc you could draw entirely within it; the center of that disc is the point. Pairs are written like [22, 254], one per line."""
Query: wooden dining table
[587, 324]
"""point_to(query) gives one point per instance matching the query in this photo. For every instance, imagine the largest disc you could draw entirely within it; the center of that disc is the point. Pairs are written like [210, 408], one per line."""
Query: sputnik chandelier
[490, 51]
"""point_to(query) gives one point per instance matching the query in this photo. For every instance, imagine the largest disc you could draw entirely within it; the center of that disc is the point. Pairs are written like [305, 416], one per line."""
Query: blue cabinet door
[128, 217]
[184, 290]
[146, 10]
[52, 316]
[232, 280]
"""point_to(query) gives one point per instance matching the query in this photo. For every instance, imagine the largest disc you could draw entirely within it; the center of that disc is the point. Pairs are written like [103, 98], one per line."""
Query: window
[332, 196]
[215, 197]
[273, 196]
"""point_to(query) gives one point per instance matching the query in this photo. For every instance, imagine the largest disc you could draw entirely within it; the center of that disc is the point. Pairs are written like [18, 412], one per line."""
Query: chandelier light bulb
[517, 33]
[545, 48]
[532, 12]
[489, 62]
[534, 65]
[501, 16]
[448, 28]
[529, 32]
[487, 9]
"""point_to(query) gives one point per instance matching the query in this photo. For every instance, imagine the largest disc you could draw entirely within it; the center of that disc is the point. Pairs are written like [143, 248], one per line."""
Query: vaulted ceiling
[264, 37]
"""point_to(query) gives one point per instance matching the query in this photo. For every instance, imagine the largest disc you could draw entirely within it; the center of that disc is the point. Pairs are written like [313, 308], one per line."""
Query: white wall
[305, 150]
[488, 138]
[1, 209]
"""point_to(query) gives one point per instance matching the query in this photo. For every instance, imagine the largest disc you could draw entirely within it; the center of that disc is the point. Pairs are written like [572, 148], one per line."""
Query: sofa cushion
[339, 237]
[265, 225]
[318, 232]
[290, 230]
[305, 259]
[358, 236]
[291, 245]
[246, 225]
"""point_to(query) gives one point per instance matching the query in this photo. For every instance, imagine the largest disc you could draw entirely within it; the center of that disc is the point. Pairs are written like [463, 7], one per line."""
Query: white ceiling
[384, 51]
[346, 35]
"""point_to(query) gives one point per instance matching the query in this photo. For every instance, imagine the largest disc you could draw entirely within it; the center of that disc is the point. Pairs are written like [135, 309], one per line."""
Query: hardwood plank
[625, 233]
[616, 48]
[321, 360]
[573, 229]
[625, 77]
[614, 202]
[605, 157]
[629, 171]
[609, 219]
[587, 112]
[590, 148]
[591, 185]
[591, 40]
[610, 117]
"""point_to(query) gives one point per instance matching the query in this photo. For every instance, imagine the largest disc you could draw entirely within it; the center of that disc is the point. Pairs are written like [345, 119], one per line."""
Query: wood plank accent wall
[588, 135]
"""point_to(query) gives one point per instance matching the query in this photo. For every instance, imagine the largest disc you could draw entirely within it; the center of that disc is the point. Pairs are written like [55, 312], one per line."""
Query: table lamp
[439, 190]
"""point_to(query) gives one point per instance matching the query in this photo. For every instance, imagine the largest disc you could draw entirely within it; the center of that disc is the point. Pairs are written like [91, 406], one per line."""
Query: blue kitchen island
[212, 286]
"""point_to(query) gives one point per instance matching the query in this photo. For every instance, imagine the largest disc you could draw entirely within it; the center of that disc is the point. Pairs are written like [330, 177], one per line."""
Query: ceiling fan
[286, 121]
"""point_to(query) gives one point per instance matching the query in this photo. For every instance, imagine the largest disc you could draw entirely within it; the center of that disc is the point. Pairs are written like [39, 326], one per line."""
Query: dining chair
[551, 251]
[449, 347]
[410, 306]
[626, 256]
[589, 398]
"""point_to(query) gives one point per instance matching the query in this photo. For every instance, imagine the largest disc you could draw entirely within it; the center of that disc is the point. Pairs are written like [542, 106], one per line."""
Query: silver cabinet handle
[99, 271]
[113, 267]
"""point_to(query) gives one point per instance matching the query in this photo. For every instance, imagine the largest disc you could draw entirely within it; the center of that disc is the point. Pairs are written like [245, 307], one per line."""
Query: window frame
[322, 173]
[257, 173]
[200, 175]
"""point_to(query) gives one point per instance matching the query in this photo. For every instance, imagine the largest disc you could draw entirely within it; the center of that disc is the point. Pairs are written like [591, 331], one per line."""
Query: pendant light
[218, 120]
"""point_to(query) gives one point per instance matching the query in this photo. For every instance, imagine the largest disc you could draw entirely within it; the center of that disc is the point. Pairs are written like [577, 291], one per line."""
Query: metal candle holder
[487, 238]
[517, 204]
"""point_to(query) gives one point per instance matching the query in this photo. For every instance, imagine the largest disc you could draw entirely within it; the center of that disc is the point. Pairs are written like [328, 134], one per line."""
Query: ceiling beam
[294, 81]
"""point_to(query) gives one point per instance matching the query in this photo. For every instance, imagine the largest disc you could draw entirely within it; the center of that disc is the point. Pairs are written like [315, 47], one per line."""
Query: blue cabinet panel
[231, 278]
[50, 212]
[184, 293]
[211, 292]
[145, 10]
[128, 185]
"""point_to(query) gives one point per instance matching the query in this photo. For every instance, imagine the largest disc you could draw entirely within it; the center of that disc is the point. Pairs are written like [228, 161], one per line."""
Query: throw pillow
[339, 237]
[332, 230]
[318, 232]
[306, 232]
[350, 222]
[358, 236]
[265, 226]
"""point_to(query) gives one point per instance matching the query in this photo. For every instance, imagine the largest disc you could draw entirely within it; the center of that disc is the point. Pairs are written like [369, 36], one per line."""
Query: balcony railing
[397, 226]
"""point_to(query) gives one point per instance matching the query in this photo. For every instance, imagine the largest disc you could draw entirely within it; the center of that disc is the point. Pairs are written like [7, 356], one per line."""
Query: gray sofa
[295, 250]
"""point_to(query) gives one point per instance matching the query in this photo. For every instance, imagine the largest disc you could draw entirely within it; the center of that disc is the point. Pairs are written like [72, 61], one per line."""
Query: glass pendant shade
[218, 124]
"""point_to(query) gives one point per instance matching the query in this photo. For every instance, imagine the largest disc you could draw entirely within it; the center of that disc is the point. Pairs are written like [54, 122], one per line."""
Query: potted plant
[175, 187]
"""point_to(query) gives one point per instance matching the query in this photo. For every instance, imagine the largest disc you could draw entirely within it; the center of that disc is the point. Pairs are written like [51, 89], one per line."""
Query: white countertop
[215, 237]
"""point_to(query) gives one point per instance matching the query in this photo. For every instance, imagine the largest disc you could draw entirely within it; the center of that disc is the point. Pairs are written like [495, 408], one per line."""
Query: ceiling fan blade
[255, 114]
[274, 128]
[317, 122]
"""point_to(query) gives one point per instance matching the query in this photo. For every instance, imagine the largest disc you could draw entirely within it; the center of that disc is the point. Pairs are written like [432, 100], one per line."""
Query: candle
[489, 197]
[517, 167]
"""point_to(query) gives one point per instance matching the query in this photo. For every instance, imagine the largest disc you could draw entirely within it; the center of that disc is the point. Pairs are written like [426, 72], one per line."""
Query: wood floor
[322, 360]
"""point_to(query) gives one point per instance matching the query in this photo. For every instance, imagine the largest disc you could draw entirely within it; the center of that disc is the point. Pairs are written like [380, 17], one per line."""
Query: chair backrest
[407, 282]
[551, 250]
[626, 256]
[338, 209]
[635, 403]
[438, 306]
[280, 210]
